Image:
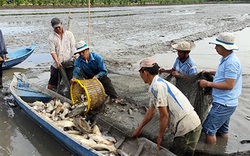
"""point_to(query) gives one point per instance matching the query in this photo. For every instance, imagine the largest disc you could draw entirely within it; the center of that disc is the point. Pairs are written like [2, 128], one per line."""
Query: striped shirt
[183, 118]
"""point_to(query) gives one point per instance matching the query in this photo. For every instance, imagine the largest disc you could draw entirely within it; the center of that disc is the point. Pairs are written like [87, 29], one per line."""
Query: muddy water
[206, 57]
[123, 36]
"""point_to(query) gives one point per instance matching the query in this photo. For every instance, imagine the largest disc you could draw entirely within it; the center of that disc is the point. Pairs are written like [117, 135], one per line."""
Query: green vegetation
[13, 3]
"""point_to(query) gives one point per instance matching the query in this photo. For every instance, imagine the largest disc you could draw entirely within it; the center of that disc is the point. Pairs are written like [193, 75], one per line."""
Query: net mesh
[200, 98]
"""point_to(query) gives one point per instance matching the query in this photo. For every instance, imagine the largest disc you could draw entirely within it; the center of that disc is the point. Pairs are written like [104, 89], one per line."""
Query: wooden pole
[89, 22]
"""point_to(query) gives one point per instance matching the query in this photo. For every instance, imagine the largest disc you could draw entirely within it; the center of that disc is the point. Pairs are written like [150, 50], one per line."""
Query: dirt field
[123, 36]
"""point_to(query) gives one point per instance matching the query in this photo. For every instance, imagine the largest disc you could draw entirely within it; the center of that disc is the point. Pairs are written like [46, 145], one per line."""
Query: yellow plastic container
[92, 89]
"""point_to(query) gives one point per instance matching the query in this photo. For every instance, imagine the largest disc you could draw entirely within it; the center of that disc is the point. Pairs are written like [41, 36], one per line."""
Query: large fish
[77, 111]
[99, 139]
[65, 124]
[82, 125]
[91, 143]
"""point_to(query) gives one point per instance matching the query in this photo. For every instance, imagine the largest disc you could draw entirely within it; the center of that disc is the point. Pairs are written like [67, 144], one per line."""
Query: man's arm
[162, 70]
[228, 84]
[54, 56]
[164, 119]
[148, 116]
[101, 66]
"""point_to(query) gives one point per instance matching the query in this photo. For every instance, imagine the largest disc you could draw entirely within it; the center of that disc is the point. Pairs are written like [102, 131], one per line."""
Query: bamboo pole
[89, 22]
[69, 20]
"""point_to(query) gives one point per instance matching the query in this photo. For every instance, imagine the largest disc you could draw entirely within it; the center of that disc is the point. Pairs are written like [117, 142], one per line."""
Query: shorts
[55, 75]
[218, 119]
[185, 145]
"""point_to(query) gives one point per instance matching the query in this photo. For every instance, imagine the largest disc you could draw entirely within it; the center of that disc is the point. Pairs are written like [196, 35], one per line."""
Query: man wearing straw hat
[174, 109]
[62, 48]
[226, 88]
[184, 64]
[90, 65]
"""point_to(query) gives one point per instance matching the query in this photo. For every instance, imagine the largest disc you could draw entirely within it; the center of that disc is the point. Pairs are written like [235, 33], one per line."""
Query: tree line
[105, 2]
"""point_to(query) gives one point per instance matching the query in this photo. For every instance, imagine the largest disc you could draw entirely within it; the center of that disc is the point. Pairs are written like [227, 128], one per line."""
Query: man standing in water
[174, 111]
[184, 64]
[62, 48]
[226, 88]
[3, 56]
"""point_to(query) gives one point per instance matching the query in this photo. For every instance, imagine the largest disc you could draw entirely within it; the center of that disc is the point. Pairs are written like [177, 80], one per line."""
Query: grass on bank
[81, 3]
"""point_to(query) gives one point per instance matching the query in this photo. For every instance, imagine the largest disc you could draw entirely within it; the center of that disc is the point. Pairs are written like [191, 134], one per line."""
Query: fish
[56, 112]
[58, 108]
[36, 103]
[74, 132]
[96, 130]
[66, 105]
[54, 116]
[91, 143]
[64, 113]
[46, 116]
[57, 102]
[77, 111]
[65, 124]
[38, 108]
[110, 148]
[49, 107]
[82, 125]
[109, 138]
[100, 139]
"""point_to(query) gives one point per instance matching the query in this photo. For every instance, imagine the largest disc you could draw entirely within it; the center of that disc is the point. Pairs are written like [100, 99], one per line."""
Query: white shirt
[183, 118]
[64, 48]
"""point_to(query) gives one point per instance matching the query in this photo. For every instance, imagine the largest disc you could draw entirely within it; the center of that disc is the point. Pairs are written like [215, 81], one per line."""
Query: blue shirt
[94, 67]
[186, 68]
[229, 67]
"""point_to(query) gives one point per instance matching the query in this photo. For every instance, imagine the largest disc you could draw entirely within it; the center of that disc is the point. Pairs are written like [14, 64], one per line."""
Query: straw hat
[80, 46]
[226, 40]
[184, 46]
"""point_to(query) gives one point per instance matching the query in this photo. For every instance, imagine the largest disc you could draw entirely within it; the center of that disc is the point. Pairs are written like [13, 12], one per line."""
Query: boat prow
[18, 56]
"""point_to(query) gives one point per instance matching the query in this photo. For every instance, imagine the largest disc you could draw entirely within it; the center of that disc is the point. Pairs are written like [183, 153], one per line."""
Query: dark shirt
[3, 49]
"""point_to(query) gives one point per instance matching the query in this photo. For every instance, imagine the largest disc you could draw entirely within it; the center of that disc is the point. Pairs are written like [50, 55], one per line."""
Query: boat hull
[18, 56]
[72, 145]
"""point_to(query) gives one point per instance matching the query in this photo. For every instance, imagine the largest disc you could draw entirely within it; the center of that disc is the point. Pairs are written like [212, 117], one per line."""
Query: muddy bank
[123, 36]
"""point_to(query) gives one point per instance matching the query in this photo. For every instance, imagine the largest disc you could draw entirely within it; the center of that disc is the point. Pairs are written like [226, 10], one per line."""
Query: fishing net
[200, 98]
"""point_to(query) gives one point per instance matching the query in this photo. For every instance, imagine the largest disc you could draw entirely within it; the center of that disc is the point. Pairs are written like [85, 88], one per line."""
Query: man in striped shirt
[175, 111]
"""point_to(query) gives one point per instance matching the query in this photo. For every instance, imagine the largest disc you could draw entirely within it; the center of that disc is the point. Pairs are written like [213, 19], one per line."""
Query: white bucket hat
[80, 46]
[184, 46]
[226, 40]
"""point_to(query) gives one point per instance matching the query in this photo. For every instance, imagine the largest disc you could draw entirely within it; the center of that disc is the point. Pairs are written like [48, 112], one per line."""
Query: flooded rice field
[123, 36]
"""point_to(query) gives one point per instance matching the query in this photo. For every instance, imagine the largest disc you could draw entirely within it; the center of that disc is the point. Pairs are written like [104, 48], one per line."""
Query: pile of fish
[69, 118]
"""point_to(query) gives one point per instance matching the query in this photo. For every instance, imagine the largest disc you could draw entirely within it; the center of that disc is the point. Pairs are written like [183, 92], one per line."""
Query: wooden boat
[25, 92]
[18, 56]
